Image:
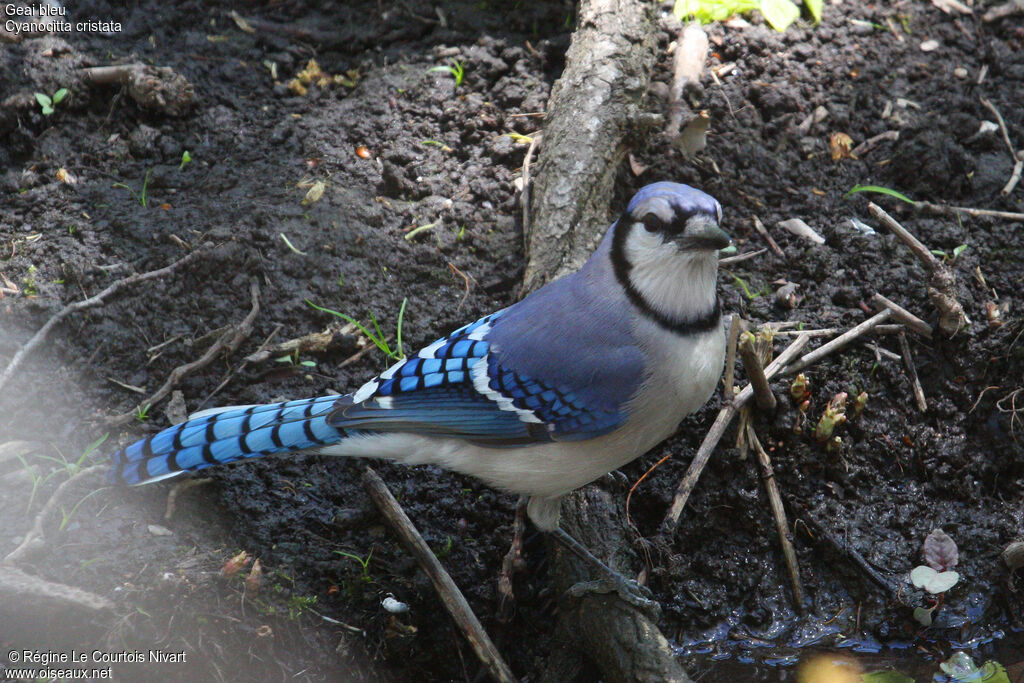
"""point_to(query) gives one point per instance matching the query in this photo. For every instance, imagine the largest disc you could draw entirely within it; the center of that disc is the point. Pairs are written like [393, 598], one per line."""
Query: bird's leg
[611, 581]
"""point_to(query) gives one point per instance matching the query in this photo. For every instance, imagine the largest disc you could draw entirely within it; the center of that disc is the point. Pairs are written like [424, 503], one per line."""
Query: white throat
[680, 285]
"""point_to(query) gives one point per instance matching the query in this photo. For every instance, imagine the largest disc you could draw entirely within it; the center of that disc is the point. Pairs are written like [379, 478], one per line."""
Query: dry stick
[534, 141]
[908, 360]
[755, 373]
[236, 333]
[839, 342]
[96, 300]
[920, 250]
[714, 435]
[763, 231]
[35, 537]
[740, 257]
[832, 331]
[735, 326]
[512, 561]
[771, 487]
[1018, 168]
[1018, 161]
[903, 315]
[974, 213]
[849, 551]
[449, 593]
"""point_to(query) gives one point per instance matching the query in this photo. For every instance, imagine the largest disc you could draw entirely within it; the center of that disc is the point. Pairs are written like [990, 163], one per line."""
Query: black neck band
[622, 267]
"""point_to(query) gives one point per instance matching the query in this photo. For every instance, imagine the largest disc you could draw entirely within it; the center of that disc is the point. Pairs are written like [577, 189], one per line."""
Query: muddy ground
[397, 146]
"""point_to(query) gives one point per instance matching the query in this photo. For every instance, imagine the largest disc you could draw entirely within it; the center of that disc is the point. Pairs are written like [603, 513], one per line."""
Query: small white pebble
[394, 606]
[960, 72]
[930, 46]
[158, 530]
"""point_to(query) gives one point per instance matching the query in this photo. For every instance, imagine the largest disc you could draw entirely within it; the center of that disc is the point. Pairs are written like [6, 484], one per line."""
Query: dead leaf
[940, 551]
[635, 166]
[315, 193]
[841, 145]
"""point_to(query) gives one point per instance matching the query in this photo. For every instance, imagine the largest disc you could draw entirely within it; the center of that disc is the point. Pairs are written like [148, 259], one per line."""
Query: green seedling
[140, 197]
[288, 243]
[31, 288]
[293, 359]
[455, 68]
[420, 228]
[946, 256]
[142, 413]
[297, 604]
[186, 158]
[778, 13]
[742, 284]
[66, 515]
[376, 336]
[49, 102]
[878, 189]
[833, 417]
[800, 389]
[364, 563]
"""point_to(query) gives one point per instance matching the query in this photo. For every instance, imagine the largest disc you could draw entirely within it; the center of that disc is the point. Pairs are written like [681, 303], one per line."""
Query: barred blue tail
[226, 436]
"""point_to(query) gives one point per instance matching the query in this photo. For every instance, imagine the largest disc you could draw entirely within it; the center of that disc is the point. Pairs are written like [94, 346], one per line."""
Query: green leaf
[60, 95]
[706, 11]
[959, 250]
[815, 7]
[47, 110]
[879, 190]
[779, 13]
[43, 100]
[186, 158]
[886, 677]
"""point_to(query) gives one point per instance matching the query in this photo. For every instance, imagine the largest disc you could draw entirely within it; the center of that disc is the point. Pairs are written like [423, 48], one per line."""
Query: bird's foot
[630, 592]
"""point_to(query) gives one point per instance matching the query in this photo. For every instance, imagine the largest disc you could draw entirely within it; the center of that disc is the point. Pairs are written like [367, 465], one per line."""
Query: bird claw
[630, 592]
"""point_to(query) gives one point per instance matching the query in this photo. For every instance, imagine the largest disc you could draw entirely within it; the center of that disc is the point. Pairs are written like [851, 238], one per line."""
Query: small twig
[512, 562]
[755, 373]
[95, 300]
[908, 361]
[714, 435]
[527, 182]
[771, 487]
[851, 553]
[34, 539]
[831, 331]
[315, 342]
[872, 142]
[920, 250]
[943, 210]
[903, 315]
[1018, 168]
[449, 593]
[839, 342]
[465, 280]
[227, 343]
[735, 327]
[763, 231]
[1002, 126]
[740, 257]
[362, 352]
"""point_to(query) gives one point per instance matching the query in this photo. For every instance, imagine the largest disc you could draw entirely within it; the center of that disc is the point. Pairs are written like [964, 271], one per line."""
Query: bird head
[665, 252]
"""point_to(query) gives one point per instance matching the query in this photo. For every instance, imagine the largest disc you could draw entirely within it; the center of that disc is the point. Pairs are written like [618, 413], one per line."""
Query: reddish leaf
[940, 551]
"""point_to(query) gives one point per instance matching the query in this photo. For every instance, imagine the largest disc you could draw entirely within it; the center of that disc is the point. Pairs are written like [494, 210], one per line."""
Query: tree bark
[593, 109]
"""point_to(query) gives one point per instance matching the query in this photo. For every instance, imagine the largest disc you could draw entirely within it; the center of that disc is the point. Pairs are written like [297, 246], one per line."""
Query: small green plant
[455, 68]
[364, 563]
[66, 515]
[946, 256]
[288, 243]
[778, 13]
[742, 284]
[377, 337]
[140, 197]
[293, 359]
[142, 413]
[935, 576]
[878, 189]
[186, 158]
[297, 604]
[49, 102]
[446, 549]
[31, 288]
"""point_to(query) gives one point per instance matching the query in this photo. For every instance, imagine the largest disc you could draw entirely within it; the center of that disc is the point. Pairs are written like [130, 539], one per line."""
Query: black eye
[653, 223]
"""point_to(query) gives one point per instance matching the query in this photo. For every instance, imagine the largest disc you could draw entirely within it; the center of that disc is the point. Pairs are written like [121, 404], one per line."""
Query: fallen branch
[95, 300]
[771, 487]
[30, 598]
[451, 596]
[226, 343]
[153, 87]
[607, 69]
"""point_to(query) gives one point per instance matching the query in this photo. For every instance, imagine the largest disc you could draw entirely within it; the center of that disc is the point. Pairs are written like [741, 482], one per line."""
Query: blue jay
[574, 381]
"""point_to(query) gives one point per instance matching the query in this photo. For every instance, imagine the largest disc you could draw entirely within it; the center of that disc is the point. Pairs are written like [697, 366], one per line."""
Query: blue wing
[458, 387]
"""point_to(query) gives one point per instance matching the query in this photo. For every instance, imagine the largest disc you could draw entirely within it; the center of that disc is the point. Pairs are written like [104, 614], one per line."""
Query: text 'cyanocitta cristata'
[540, 398]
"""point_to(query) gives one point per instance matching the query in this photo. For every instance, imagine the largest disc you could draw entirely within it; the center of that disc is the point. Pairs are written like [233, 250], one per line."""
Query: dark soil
[440, 154]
